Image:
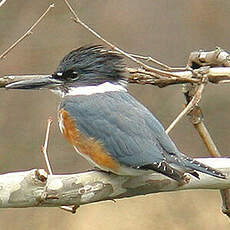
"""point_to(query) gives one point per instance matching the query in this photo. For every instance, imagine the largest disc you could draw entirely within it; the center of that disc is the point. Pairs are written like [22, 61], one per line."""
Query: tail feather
[198, 166]
[165, 169]
[170, 168]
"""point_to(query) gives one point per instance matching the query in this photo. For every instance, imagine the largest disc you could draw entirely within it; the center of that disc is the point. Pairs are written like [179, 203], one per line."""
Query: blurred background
[164, 29]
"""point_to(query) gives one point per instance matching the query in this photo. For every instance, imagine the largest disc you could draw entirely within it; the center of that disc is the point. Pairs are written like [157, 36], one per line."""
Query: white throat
[89, 90]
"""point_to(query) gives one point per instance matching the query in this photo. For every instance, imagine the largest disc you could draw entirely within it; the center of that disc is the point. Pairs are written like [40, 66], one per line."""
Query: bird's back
[128, 130]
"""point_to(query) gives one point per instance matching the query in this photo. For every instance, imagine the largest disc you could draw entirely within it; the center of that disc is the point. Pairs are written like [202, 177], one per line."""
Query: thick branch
[34, 188]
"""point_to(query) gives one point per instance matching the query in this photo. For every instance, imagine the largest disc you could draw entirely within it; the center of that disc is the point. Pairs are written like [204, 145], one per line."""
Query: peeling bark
[34, 188]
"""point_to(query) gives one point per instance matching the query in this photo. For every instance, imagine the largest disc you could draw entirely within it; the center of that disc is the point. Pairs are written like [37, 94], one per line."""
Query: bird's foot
[184, 180]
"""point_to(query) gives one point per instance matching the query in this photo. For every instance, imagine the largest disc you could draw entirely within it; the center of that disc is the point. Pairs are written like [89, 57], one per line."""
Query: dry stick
[207, 139]
[214, 152]
[2, 2]
[45, 146]
[27, 33]
[150, 59]
[220, 58]
[147, 67]
[141, 76]
[155, 61]
[195, 100]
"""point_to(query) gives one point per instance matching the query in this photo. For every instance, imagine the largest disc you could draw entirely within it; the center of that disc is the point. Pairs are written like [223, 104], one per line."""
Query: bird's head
[86, 66]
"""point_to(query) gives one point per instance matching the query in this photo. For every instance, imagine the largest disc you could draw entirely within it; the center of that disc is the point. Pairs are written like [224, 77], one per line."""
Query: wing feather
[128, 130]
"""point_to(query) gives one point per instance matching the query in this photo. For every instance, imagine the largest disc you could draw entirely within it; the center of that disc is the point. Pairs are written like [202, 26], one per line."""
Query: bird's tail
[198, 166]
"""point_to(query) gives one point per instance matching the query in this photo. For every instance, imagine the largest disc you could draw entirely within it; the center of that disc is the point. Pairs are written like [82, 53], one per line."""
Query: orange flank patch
[86, 145]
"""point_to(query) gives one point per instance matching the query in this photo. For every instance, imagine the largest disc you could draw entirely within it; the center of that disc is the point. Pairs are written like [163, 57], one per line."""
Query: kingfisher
[107, 125]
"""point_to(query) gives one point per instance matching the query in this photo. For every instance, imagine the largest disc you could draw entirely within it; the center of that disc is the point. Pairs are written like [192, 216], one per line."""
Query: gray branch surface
[34, 188]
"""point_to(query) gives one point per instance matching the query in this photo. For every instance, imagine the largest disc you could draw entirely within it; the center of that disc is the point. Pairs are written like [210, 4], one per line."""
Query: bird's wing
[129, 131]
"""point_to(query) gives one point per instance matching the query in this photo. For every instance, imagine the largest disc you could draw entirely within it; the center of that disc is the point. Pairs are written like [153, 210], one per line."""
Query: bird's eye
[75, 76]
[68, 75]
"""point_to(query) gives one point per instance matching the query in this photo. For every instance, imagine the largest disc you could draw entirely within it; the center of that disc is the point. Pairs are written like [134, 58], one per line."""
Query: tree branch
[139, 76]
[35, 188]
[197, 59]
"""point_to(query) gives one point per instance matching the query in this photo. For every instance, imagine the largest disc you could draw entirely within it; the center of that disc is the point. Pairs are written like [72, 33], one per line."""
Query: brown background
[165, 29]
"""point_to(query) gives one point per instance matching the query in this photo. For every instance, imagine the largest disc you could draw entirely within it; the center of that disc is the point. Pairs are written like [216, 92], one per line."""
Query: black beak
[43, 82]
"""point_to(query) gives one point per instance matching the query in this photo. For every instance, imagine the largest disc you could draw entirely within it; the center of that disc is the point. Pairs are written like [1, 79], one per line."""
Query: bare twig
[197, 120]
[155, 61]
[147, 67]
[151, 59]
[195, 100]
[45, 146]
[214, 152]
[141, 76]
[207, 139]
[209, 59]
[27, 33]
[2, 2]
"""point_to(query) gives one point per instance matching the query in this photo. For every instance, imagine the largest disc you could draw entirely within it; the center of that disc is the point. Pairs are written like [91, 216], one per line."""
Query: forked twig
[147, 67]
[27, 33]
[214, 152]
[195, 100]
[45, 146]
[198, 122]
[220, 58]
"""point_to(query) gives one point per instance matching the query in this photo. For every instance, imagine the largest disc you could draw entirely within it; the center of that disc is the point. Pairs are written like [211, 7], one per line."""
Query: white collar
[90, 90]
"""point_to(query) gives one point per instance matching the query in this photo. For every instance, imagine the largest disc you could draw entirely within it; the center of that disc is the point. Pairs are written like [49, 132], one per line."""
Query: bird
[106, 124]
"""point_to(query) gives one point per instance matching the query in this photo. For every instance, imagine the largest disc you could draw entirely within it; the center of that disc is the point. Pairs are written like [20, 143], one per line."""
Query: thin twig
[45, 146]
[207, 139]
[147, 67]
[155, 61]
[2, 2]
[195, 100]
[27, 33]
[151, 59]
